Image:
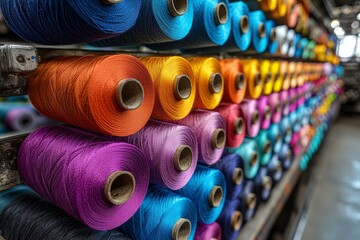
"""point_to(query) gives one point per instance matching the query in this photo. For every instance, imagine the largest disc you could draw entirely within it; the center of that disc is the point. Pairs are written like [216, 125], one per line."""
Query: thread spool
[259, 38]
[286, 102]
[275, 107]
[271, 32]
[175, 89]
[280, 10]
[235, 123]
[35, 211]
[171, 150]
[249, 152]
[266, 77]
[248, 201]
[252, 117]
[255, 83]
[235, 82]
[275, 72]
[275, 169]
[170, 20]
[265, 147]
[168, 215]
[285, 75]
[263, 184]
[210, 27]
[285, 129]
[264, 112]
[209, 82]
[96, 20]
[275, 138]
[118, 179]
[281, 35]
[208, 231]
[285, 157]
[17, 116]
[232, 166]
[101, 79]
[209, 199]
[292, 69]
[231, 219]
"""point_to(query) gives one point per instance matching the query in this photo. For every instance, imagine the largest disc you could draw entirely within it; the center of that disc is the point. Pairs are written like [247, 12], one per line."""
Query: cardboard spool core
[244, 24]
[239, 81]
[216, 195]
[251, 200]
[262, 30]
[257, 79]
[255, 117]
[218, 138]
[238, 176]
[253, 159]
[182, 87]
[273, 35]
[267, 112]
[221, 14]
[110, 1]
[278, 167]
[119, 187]
[129, 94]
[181, 229]
[177, 7]
[215, 83]
[267, 147]
[183, 158]
[268, 78]
[239, 125]
[267, 183]
[236, 220]
[213, 238]
[25, 120]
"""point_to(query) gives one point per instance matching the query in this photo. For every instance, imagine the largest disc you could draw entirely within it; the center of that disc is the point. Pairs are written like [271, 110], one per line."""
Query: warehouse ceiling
[346, 11]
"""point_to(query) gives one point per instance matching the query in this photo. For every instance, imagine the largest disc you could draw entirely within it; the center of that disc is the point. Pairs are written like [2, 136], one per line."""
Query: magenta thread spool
[95, 180]
[211, 137]
[235, 123]
[301, 95]
[276, 107]
[295, 143]
[171, 151]
[285, 101]
[252, 117]
[208, 231]
[264, 112]
[293, 98]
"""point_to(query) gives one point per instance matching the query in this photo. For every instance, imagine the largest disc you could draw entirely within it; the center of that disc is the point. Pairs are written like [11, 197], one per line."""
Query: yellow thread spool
[252, 74]
[266, 76]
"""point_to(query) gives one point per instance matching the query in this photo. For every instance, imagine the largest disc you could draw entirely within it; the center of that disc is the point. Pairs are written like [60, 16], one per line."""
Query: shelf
[260, 226]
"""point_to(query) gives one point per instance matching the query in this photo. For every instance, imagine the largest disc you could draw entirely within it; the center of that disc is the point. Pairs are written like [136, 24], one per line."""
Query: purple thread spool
[252, 117]
[264, 112]
[276, 107]
[208, 231]
[99, 182]
[171, 151]
[21, 118]
[210, 130]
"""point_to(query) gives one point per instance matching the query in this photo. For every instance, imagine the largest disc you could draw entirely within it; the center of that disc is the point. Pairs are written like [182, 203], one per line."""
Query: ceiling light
[335, 23]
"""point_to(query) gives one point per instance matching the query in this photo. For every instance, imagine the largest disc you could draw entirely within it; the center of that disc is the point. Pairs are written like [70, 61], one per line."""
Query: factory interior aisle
[334, 211]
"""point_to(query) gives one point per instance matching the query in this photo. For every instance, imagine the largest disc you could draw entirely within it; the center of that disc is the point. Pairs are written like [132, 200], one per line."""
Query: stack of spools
[146, 133]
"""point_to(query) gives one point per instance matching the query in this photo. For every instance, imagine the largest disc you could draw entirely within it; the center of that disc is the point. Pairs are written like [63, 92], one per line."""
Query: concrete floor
[334, 211]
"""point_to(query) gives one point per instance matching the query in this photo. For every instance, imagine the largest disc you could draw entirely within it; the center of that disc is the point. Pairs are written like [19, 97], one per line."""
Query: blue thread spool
[265, 147]
[263, 184]
[285, 157]
[158, 21]
[271, 33]
[275, 169]
[285, 129]
[17, 116]
[208, 198]
[67, 22]
[301, 47]
[211, 27]
[274, 136]
[162, 215]
[232, 166]
[248, 201]
[249, 152]
[259, 38]
[231, 219]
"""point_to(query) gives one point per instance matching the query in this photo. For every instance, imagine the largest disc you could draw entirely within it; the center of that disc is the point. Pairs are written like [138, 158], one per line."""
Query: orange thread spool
[234, 80]
[174, 86]
[209, 82]
[113, 95]
[255, 83]
[299, 74]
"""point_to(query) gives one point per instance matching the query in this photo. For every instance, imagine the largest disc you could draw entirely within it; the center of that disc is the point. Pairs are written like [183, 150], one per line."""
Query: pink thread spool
[265, 113]
[252, 117]
[276, 107]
